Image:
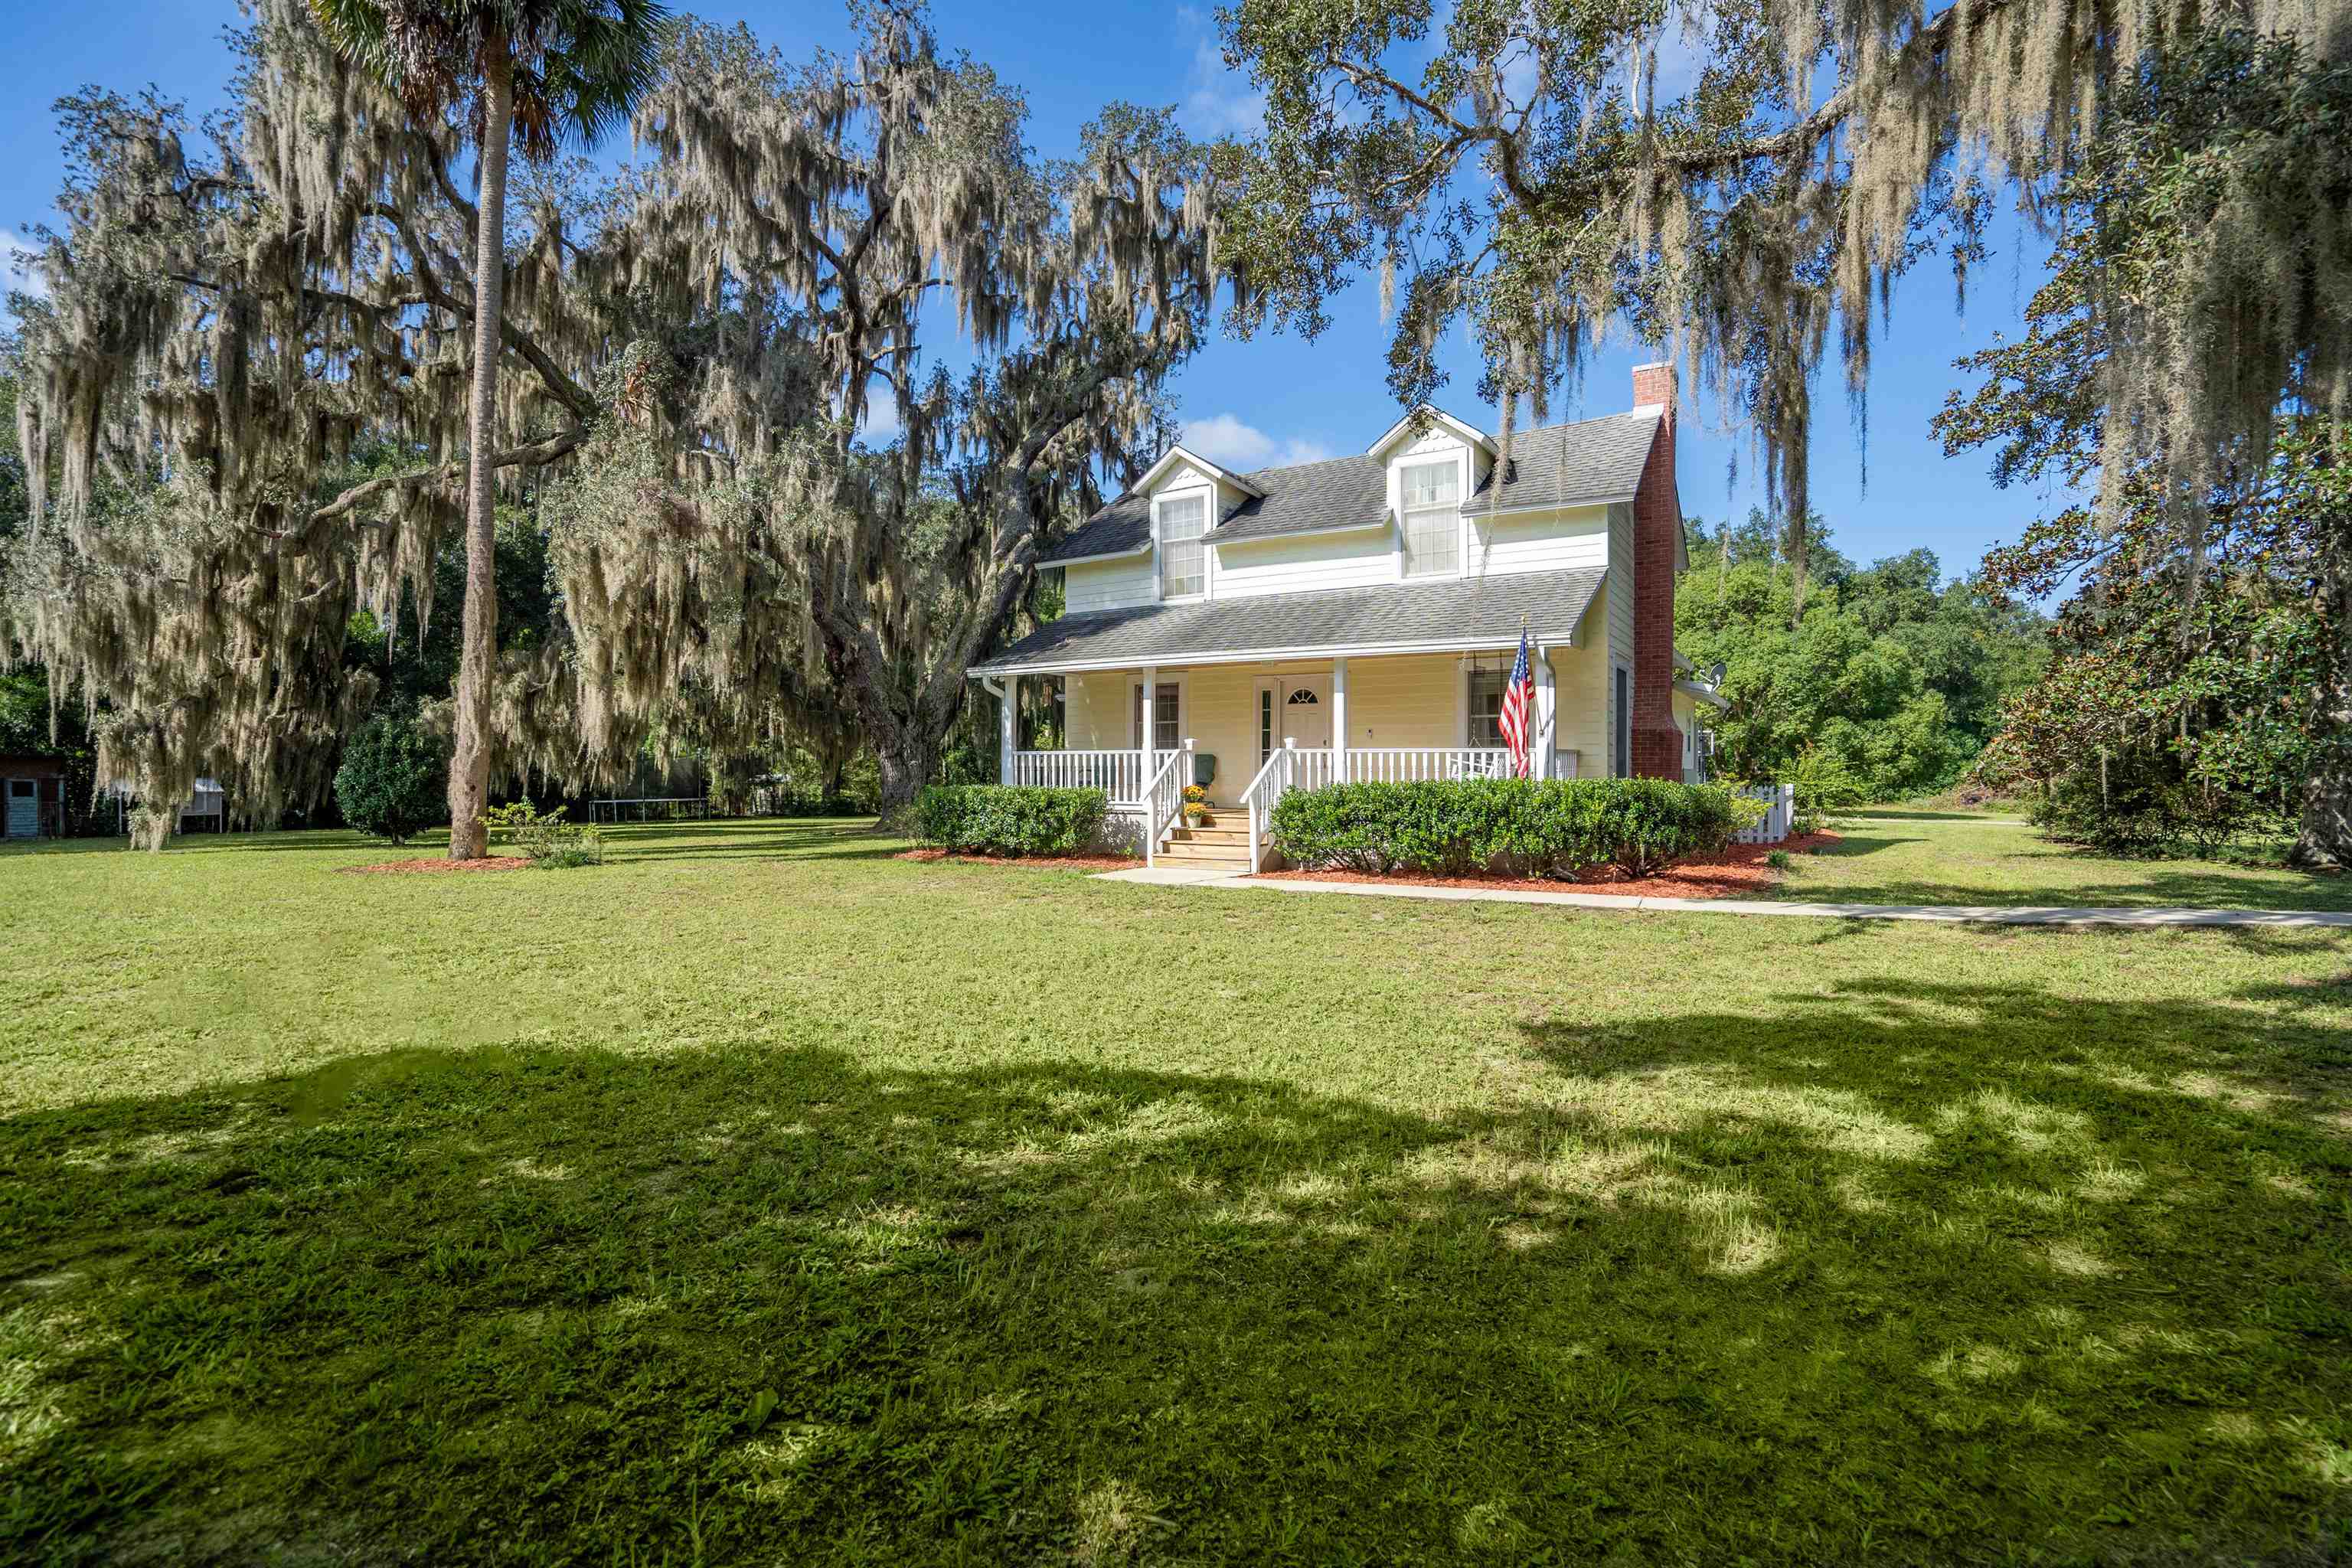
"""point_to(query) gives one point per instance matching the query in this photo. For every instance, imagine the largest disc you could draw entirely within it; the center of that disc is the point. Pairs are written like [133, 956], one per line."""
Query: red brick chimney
[1657, 539]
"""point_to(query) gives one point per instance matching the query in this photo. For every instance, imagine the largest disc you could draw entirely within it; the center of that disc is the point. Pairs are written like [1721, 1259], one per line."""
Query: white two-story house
[1358, 619]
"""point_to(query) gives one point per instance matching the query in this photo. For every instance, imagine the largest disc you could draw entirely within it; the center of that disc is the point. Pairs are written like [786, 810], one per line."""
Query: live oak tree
[836, 212]
[248, 408]
[2196, 154]
[529, 74]
[1518, 170]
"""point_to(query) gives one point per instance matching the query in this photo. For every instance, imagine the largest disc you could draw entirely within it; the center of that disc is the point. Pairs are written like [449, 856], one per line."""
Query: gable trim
[1470, 433]
[1177, 454]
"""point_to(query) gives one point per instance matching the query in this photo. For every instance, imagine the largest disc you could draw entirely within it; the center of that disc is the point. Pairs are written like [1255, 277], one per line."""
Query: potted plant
[1196, 806]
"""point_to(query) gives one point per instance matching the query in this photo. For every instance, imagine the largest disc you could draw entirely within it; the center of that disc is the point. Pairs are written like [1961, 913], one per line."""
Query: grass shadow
[1879, 1277]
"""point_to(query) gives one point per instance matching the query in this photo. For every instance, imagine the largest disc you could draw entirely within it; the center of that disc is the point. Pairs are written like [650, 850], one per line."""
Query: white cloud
[1223, 438]
[17, 270]
[1218, 101]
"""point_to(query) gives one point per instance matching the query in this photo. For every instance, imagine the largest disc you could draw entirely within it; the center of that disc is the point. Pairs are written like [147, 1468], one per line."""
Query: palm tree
[533, 73]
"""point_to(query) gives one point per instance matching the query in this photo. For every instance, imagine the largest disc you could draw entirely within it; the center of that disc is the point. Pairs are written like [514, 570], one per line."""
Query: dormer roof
[1579, 464]
[1428, 415]
[1175, 454]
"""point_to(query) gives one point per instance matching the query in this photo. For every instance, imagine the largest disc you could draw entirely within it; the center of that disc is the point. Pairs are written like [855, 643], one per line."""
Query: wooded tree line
[1891, 680]
[279, 373]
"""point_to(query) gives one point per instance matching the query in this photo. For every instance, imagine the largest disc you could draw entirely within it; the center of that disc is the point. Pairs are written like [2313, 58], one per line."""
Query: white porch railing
[1411, 764]
[1257, 801]
[1119, 774]
[1163, 800]
[1780, 811]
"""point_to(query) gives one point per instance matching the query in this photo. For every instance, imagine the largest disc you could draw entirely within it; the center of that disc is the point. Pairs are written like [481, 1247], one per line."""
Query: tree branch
[536, 453]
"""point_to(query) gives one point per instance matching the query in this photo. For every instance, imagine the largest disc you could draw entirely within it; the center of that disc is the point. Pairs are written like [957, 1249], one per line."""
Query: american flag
[1518, 702]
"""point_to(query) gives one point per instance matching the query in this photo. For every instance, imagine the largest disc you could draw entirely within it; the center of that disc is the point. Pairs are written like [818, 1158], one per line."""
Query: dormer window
[1431, 496]
[1184, 567]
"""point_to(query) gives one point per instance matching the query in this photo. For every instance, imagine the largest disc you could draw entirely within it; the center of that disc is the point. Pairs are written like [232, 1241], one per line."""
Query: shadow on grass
[1889, 1276]
[2185, 884]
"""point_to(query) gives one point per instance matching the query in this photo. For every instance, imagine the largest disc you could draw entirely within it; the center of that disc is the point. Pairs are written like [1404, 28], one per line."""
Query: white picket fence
[1780, 801]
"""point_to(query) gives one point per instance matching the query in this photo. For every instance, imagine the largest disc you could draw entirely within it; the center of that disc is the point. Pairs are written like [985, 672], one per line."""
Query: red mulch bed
[1739, 872]
[443, 863]
[1066, 862]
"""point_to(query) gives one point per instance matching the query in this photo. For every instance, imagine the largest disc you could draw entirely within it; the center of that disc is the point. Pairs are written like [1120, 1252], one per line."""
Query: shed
[32, 795]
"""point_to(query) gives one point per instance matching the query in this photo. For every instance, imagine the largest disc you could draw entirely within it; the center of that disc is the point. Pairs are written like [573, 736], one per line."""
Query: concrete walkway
[1984, 914]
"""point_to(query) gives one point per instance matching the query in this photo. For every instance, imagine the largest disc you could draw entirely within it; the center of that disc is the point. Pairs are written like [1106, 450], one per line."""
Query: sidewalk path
[1983, 914]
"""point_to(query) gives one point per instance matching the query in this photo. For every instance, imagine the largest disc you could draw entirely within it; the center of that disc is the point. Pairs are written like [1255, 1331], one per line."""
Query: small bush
[2143, 805]
[1779, 860]
[1005, 819]
[543, 838]
[1541, 828]
[394, 782]
[1825, 786]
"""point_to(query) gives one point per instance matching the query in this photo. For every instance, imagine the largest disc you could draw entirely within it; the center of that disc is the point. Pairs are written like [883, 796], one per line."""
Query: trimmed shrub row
[1010, 819]
[1525, 827]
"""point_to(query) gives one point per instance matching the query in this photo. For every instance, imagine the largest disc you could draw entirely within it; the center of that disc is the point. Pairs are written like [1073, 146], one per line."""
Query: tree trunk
[908, 765]
[470, 762]
[2325, 841]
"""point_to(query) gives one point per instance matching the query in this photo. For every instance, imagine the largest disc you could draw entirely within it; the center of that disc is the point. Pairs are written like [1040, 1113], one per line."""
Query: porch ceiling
[1392, 618]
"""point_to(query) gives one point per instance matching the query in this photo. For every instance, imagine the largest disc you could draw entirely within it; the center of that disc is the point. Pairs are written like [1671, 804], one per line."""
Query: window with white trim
[1432, 506]
[1183, 559]
[1167, 723]
[1487, 682]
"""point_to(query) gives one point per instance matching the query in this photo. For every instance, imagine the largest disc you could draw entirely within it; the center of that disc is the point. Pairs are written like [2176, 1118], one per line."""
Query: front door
[1302, 710]
[24, 809]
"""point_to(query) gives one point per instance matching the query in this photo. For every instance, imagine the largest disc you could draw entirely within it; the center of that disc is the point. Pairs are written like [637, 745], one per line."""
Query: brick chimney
[1658, 538]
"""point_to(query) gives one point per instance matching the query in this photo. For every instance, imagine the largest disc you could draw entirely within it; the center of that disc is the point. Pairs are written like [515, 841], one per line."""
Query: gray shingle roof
[1343, 492]
[1563, 464]
[1466, 612]
[1560, 464]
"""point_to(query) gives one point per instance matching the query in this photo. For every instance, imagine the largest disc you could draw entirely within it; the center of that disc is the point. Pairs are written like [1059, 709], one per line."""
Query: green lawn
[1898, 856]
[758, 1197]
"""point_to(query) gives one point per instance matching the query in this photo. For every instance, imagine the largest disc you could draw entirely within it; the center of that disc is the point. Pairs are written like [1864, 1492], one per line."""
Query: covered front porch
[1247, 732]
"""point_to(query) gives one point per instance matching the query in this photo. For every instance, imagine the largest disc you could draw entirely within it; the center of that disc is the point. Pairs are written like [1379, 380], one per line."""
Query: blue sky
[1272, 400]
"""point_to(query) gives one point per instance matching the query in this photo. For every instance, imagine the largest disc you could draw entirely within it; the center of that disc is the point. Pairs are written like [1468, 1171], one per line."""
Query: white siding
[1541, 541]
[1109, 584]
[1299, 565]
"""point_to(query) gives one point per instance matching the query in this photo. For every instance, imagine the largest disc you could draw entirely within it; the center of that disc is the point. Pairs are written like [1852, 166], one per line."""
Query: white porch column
[1149, 725]
[1546, 735]
[1338, 720]
[1008, 729]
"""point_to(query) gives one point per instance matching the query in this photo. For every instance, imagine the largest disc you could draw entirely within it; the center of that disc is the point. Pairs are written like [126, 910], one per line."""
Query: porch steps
[1214, 845]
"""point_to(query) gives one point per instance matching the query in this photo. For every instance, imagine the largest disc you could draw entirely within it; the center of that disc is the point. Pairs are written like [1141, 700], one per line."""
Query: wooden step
[1213, 834]
[1233, 855]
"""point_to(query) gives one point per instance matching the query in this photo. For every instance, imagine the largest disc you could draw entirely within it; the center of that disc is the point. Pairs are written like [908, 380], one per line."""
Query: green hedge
[1006, 819]
[1527, 827]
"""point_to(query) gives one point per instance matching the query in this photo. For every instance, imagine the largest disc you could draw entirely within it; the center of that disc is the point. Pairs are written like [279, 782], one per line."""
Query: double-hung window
[1167, 723]
[1184, 567]
[1432, 518]
[1487, 684]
